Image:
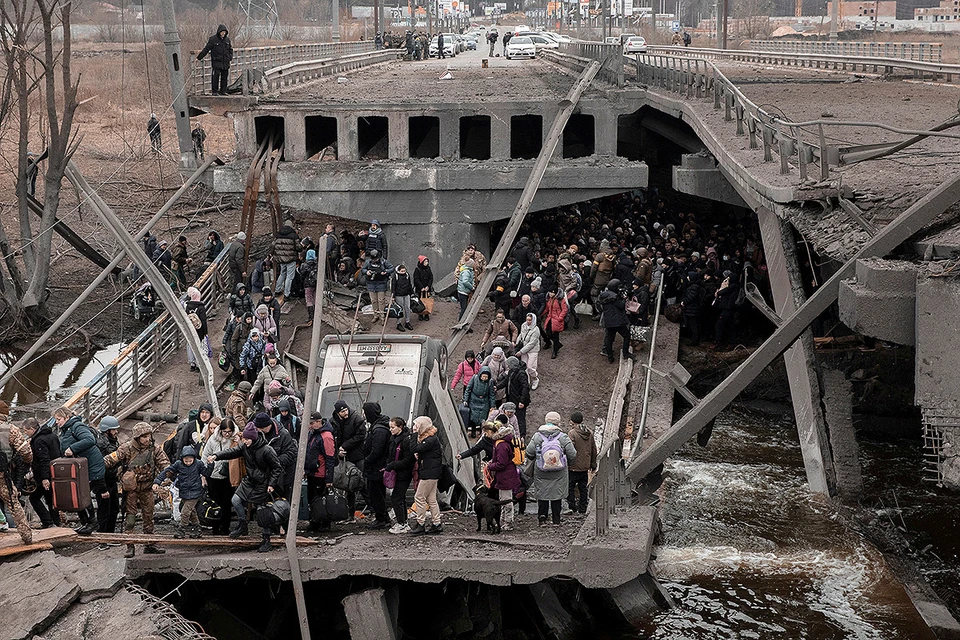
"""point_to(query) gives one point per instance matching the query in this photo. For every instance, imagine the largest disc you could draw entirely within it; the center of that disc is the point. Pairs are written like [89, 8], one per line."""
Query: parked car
[520, 47]
[471, 42]
[460, 41]
[635, 44]
[542, 42]
[611, 40]
[449, 47]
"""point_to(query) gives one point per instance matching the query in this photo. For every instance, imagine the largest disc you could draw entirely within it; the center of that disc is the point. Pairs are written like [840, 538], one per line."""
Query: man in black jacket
[46, 448]
[349, 432]
[613, 318]
[376, 448]
[285, 446]
[221, 53]
[518, 390]
[108, 442]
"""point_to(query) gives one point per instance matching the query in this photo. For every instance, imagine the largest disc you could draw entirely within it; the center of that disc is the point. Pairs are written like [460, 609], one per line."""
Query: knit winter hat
[552, 417]
[498, 351]
[512, 362]
[250, 432]
[262, 420]
[262, 309]
[576, 417]
[339, 406]
[273, 389]
[509, 406]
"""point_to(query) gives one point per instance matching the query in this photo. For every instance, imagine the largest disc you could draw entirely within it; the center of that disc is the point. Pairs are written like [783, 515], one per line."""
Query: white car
[542, 42]
[635, 44]
[449, 47]
[520, 47]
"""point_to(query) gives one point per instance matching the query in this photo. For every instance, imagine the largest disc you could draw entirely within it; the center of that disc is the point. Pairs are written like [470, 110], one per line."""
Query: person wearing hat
[288, 419]
[466, 283]
[142, 458]
[376, 240]
[377, 271]
[286, 447]
[241, 301]
[264, 474]
[516, 386]
[554, 452]
[613, 319]
[402, 292]
[286, 248]
[319, 463]
[46, 448]
[423, 285]
[14, 444]
[108, 442]
[273, 371]
[236, 407]
[77, 439]
[726, 302]
[349, 433]
[237, 258]
[376, 447]
[251, 356]
[273, 306]
[187, 473]
[309, 271]
[221, 490]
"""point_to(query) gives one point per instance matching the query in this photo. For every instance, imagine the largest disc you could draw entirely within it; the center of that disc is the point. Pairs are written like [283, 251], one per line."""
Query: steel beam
[567, 106]
[71, 236]
[900, 230]
[177, 312]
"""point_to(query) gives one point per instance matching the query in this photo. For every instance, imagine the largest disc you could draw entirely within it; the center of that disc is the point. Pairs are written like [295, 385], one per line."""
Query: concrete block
[838, 409]
[886, 315]
[34, 592]
[938, 344]
[640, 598]
[558, 619]
[369, 616]
[698, 175]
[98, 575]
[887, 276]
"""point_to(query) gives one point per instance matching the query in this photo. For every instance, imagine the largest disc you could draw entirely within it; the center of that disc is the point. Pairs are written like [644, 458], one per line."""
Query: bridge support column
[605, 132]
[499, 136]
[370, 615]
[442, 242]
[399, 143]
[294, 137]
[347, 148]
[450, 136]
[800, 359]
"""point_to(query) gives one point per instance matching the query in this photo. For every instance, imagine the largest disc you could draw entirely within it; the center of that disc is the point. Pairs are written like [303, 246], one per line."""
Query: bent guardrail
[263, 58]
[116, 382]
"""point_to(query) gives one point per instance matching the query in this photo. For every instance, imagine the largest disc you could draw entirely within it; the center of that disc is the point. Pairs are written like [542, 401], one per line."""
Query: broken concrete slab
[556, 616]
[369, 616]
[119, 616]
[98, 575]
[34, 591]
[838, 406]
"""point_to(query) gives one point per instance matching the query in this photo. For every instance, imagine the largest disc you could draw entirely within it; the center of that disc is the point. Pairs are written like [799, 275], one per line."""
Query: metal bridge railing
[609, 55]
[106, 392]
[921, 51]
[609, 484]
[297, 72]
[264, 58]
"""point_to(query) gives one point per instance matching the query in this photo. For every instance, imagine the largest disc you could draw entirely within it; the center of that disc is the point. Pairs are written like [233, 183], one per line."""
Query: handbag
[427, 304]
[347, 476]
[223, 362]
[208, 511]
[390, 477]
[632, 306]
[416, 305]
[238, 470]
[487, 475]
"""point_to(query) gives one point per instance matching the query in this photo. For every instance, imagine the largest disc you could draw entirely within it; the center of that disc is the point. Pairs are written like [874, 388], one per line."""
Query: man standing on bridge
[221, 53]
[492, 38]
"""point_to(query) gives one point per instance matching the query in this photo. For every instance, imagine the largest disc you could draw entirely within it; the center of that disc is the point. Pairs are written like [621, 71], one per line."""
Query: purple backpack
[550, 456]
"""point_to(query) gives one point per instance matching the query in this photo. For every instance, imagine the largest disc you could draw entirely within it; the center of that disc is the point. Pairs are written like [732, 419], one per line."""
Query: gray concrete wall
[938, 344]
[880, 301]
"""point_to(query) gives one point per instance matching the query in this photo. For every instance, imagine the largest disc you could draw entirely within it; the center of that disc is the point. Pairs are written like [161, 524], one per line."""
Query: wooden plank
[205, 541]
[567, 106]
[53, 534]
[25, 548]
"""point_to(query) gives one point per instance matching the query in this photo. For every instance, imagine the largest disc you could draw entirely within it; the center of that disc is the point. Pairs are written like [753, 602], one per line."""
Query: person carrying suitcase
[143, 459]
[77, 441]
[13, 444]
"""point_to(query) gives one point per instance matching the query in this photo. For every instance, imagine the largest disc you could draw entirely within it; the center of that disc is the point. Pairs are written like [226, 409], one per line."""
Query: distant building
[949, 10]
[851, 10]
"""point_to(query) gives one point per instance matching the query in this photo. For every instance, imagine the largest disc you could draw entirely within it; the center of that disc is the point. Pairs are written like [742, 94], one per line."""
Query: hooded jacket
[350, 434]
[268, 374]
[422, 276]
[286, 245]
[241, 303]
[286, 448]
[480, 396]
[613, 309]
[377, 442]
[220, 49]
[429, 454]
[186, 477]
[46, 448]
[505, 474]
[79, 438]
[523, 253]
[529, 340]
[517, 385]
[401, 461]
[586, 446]
[321, 453]
[263, 469]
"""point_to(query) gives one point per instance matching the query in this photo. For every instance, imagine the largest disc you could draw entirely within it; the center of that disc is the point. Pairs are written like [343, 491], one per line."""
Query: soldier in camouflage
[143, 459]
[13, 444]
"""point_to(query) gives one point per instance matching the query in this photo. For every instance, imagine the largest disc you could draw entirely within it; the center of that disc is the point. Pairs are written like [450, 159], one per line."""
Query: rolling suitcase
[70, 484]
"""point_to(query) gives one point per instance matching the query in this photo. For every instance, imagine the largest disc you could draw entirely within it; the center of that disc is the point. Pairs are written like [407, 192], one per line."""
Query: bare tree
[35, 61]
[753, 18]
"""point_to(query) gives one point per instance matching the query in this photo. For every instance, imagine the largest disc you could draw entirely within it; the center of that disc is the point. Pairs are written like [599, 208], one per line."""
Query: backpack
[208, 511]
[347, 476]
[519, 451]
[195, 319]
[550, 455]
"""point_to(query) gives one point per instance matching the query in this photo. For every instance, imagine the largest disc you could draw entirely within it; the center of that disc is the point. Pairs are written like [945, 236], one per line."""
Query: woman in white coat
[528, 348]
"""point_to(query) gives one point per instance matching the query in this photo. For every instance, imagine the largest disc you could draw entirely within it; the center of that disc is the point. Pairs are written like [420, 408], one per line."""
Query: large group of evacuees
[608, 260]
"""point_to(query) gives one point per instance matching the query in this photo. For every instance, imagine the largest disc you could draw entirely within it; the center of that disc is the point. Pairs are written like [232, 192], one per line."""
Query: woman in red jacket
[506, 478]
[467, 369]
[553, 317]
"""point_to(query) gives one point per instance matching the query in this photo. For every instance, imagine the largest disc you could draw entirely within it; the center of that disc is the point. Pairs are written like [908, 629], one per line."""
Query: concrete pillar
[245, 129]
[443, 243]
[368, 616]
[800, 359]
[639, 598]
[176, 68]
[449, 135]
[556, 616]
[399, 132]
[294, 137]
[605, 123]
[347, 143]
[499, 136]
[838, 404]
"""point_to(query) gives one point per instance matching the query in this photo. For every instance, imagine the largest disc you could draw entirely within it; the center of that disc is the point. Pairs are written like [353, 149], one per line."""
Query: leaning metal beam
[53, 328]
[567, 106]
[177, 312]
[900, 230]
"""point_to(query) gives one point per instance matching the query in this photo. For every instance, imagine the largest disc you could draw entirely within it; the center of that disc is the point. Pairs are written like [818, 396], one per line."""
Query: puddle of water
[52, 376]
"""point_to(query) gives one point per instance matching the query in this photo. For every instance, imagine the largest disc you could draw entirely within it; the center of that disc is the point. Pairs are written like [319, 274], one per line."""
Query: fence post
[135, 367]
[112, 389]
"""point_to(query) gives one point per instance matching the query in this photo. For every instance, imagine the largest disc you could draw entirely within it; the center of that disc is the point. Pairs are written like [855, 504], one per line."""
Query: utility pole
[834, 19]
[171, 42]
[335, 11]
[376, 17]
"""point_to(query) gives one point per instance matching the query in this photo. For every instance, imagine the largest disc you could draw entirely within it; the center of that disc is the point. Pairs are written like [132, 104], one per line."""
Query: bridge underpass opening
[424, 137]
[321, 132]
[526, 136]
[373, 137]
[475, 137]
[267, 126]
[630, 136]
[579, 136]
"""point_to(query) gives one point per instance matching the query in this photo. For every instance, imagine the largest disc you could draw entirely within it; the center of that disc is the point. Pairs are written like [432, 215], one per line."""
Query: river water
[52, 376]
[747, 553]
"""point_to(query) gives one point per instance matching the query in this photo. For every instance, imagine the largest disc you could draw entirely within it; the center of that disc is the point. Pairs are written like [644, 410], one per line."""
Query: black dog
[488, 509]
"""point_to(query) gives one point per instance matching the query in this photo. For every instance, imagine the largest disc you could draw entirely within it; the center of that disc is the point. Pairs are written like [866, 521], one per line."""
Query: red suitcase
[71, 484]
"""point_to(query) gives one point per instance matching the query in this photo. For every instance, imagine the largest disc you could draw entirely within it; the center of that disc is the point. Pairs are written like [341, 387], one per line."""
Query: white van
[406, 375]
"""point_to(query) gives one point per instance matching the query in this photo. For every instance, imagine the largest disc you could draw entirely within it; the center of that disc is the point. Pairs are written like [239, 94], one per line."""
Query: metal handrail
[106, 391]
[638, 429]
[822, 60]
[263, 58]
[609, 476]
[305, 70]
[923, 51]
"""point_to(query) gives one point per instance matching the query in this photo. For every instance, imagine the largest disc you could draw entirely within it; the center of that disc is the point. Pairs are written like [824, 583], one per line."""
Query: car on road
[449, 47]
[611, 40]
[471, 42]
[543, 42]
[635, 44]
[520, 47]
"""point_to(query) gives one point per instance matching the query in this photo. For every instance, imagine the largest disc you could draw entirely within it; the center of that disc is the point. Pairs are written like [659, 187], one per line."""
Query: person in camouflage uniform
[13, 444]
[143, 459]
